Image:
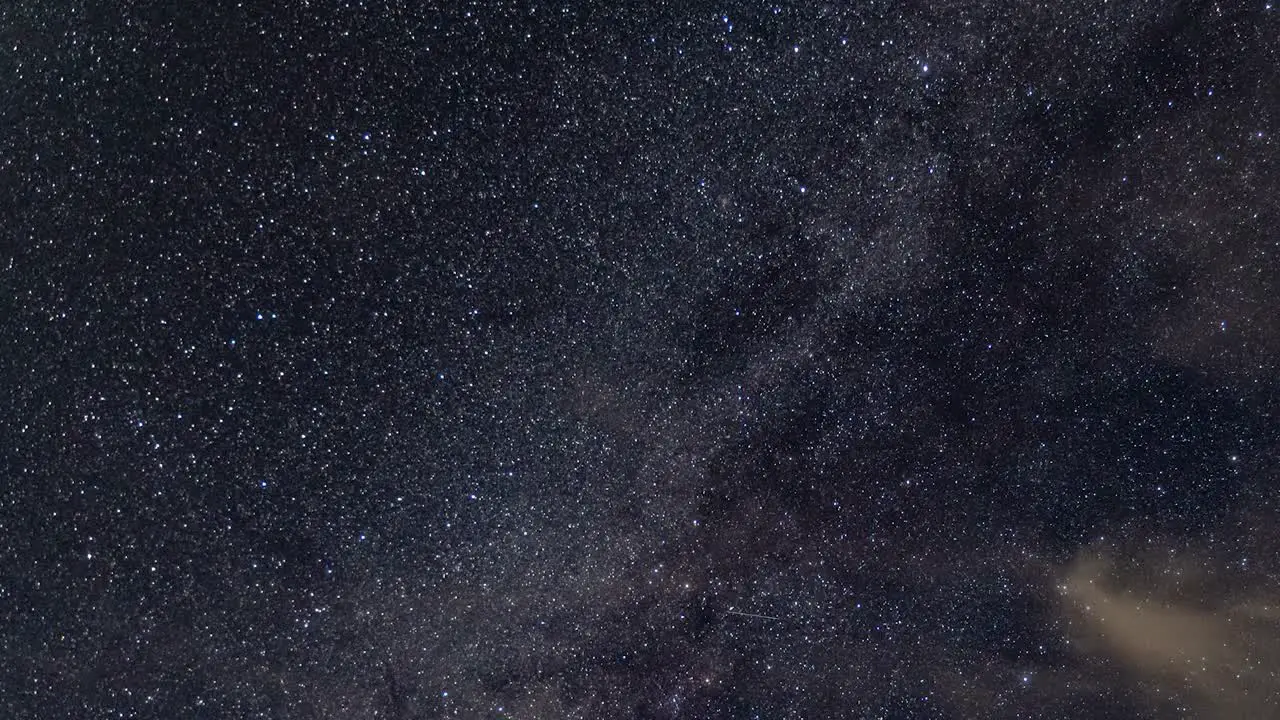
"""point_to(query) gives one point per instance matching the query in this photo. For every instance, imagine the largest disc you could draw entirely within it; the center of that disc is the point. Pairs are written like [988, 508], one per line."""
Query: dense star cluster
[611, 360]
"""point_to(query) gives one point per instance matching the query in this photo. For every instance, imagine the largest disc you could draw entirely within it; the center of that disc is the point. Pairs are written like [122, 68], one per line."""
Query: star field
[580, 360]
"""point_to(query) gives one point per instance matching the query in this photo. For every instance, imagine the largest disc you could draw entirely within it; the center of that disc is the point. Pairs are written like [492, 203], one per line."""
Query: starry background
[526, 360]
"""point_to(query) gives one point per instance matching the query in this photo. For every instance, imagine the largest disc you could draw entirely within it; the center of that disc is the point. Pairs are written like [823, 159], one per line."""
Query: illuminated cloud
[1174, 637]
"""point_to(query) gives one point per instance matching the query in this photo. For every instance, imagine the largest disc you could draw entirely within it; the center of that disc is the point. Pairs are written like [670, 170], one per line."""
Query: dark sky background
[603, 360]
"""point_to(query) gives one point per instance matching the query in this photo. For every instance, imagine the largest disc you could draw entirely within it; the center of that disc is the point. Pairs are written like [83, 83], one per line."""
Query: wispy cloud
[1176, 638]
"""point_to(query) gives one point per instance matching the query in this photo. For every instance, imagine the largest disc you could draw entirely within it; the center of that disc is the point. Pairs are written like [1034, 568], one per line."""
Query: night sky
[608, 360]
